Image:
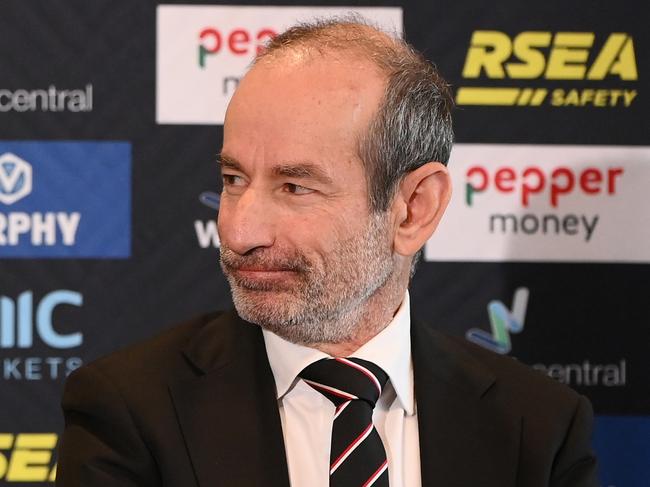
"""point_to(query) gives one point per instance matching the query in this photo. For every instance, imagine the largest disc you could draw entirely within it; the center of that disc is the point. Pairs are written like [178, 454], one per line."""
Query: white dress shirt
[307, 415]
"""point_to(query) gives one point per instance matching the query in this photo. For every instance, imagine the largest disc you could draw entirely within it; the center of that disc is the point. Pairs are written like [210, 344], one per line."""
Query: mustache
[262, 260]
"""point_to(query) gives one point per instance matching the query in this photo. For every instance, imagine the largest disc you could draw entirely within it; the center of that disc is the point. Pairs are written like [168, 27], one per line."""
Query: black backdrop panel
[85, 74]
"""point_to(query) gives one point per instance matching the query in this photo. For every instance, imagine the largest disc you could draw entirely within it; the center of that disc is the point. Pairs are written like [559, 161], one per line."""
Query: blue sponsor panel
[65, 199]
[622, 444]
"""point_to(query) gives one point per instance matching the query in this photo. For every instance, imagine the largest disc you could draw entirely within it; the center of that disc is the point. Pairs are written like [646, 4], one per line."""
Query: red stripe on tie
[331, 390]
[340, 408]
[376, 475]
[361, 369]
[337, 463]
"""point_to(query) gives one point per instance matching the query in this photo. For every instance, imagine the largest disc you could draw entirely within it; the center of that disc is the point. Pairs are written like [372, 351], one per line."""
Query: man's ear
[421, 199]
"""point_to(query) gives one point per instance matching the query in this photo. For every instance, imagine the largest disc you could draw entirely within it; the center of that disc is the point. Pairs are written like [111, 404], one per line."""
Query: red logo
[239, 42]
[551, 183]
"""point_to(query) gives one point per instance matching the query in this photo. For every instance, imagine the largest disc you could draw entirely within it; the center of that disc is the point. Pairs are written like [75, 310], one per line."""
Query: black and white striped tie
[358, 457]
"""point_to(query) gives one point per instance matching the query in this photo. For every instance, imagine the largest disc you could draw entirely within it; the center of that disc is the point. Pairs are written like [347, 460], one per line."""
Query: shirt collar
[390, 349]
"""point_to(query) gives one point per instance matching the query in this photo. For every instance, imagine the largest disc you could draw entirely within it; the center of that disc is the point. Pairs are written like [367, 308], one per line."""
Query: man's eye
[297, 189]
[232, 180]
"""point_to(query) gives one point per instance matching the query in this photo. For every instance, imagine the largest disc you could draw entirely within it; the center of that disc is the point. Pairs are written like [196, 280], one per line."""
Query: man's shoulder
[493, 403]
[162, 357]
[503, 377]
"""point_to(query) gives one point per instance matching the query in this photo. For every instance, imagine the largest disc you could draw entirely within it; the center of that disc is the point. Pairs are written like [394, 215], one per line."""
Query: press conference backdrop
[111, 116]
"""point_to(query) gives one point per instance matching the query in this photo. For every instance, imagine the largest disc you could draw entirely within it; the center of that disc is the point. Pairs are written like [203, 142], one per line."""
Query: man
[333, 180]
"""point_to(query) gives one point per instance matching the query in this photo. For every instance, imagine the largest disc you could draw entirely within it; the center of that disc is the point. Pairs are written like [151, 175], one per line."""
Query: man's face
[299, 246]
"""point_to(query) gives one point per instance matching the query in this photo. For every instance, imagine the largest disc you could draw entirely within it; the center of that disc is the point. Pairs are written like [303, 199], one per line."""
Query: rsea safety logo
[204, 50]
[545, 203]
[27, 457]
[65, 199]
[27, 324]
[560, 69]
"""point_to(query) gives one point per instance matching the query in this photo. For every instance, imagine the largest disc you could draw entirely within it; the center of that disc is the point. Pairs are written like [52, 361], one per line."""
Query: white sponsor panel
[203, 51]
[546, 203]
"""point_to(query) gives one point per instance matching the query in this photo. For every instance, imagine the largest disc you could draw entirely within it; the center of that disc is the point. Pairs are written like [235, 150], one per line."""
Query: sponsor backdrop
[110, 121]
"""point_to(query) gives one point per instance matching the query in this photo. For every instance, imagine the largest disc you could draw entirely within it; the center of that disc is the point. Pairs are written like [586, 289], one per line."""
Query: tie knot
[345, 379]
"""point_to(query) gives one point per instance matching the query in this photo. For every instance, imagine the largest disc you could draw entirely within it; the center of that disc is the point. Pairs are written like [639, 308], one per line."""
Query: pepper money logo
[204, 50]
[503, 321]
[545, 203]
[559, 69]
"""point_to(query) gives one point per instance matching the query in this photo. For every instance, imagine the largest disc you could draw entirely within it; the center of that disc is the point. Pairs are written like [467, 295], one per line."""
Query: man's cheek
[223, 217]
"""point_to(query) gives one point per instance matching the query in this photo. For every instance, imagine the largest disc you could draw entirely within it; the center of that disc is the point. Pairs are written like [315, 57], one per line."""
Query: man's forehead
[301, 117]
[318, 97]
[330, 78]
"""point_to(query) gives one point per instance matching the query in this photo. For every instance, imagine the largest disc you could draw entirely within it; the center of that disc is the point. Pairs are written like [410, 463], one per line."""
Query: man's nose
[247, 222]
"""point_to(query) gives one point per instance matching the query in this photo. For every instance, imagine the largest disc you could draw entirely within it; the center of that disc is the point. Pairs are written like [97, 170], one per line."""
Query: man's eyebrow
[305, 170]
[225, 161]
[302, 170]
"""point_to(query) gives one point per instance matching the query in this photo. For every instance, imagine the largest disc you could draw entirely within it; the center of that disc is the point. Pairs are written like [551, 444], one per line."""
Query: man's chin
[272, 303]
[265, 314]
[264, 292]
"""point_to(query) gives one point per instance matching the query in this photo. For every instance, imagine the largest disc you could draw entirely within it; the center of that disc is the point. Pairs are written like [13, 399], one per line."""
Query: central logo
[503, 321]
[15, 178]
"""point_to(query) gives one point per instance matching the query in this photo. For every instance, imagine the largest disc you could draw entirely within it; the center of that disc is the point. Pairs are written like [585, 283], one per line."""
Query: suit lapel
[465, 438]
[228, 411]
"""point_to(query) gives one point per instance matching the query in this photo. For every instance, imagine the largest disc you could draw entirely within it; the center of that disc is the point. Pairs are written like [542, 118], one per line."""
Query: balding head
[349, 37]
[412, 125]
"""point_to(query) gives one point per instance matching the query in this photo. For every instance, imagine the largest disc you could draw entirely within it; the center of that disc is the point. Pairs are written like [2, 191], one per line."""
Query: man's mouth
[262, 269]
[261, 274]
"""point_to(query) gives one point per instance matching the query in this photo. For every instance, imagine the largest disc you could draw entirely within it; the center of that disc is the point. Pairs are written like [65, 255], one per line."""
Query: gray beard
[328, 304]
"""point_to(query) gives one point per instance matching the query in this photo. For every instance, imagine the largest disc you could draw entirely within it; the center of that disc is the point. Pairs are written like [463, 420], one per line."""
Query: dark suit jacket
[196, 406]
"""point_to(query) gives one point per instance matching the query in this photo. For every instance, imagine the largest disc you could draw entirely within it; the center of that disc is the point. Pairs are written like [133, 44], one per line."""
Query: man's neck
[375, 315]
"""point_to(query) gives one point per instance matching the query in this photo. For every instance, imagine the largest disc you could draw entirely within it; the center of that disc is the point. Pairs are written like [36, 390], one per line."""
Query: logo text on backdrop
[27, 457]
[27, 323]
[204, 50]
[65, 199]
[545, 203]
[51, 99]
[591, 72]
[504, 321]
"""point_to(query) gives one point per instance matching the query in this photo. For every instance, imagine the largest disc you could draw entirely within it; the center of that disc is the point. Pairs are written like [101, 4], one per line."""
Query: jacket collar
[228, 410]
[466, 438]
[229, 406]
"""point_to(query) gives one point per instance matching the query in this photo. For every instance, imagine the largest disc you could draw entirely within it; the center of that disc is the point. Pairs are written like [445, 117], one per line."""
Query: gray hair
[412, 125]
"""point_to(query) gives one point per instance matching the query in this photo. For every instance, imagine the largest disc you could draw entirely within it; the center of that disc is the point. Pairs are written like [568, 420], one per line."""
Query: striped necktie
[357, 457]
